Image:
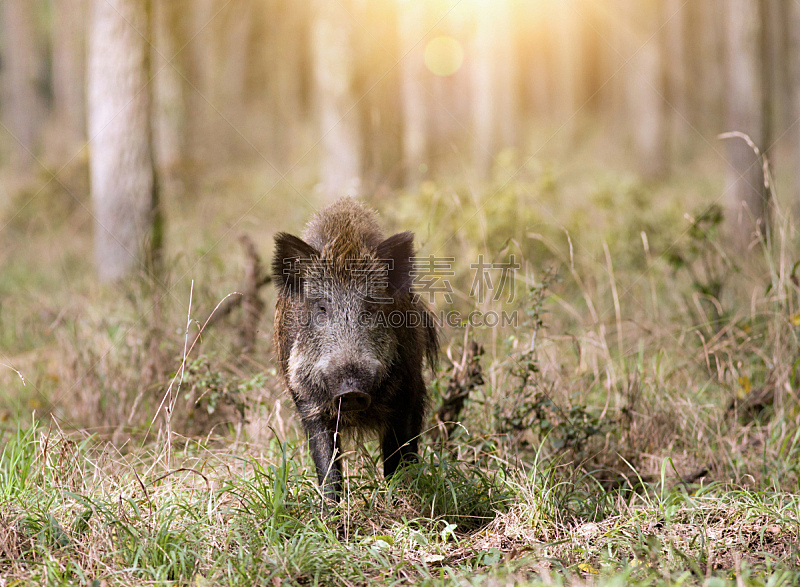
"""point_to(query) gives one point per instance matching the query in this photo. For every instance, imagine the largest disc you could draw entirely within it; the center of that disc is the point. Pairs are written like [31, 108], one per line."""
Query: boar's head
[335, 301]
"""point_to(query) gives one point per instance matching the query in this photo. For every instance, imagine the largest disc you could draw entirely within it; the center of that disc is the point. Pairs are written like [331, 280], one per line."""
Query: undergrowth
[639, 424]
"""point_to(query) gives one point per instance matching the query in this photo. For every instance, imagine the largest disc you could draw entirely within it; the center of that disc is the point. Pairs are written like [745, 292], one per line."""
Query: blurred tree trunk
[379, 54]
[696, 32]
[169, 103]
[340, 136]
[414, 95]
[706, 56]
[781, 58]
[195, 62]
[124, 190]
[674, 15]
[748, 103]
[233, 61]
[69, 68]
[646, 105]
[287, 77]
[794, 110]
[568, 65]
[223, 56]
[484, 102]
[598, 66]
[23, 107]
[505, 83]
[493, 84]
[613, 97]
[533, 50]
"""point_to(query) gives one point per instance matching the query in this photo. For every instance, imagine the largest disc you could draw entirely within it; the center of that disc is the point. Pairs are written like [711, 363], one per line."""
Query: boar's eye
[322, 308]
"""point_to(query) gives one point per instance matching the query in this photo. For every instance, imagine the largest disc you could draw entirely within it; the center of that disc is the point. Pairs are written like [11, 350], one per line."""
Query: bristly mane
[346, 219]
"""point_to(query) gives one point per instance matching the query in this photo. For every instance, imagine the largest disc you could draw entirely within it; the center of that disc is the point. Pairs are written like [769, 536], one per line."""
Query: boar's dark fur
[350, 337]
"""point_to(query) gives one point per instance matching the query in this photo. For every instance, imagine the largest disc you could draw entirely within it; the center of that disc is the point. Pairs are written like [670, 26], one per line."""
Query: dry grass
[639, 426]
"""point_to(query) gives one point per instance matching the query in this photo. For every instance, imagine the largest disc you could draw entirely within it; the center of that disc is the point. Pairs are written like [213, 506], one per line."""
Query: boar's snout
[349, 398]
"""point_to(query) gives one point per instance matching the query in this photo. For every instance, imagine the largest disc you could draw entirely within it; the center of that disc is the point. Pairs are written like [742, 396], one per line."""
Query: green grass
[74, 513]
[640, 426]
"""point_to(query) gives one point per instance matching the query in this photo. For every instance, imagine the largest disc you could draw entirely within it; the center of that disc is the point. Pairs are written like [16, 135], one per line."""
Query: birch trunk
[124, 189]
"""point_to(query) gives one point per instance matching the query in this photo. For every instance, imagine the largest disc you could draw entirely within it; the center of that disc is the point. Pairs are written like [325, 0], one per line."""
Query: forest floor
[639, 425]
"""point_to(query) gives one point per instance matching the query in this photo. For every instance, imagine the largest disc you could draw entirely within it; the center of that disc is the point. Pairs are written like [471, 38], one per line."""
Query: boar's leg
[325, 452]
[395, 451]
[399, 442]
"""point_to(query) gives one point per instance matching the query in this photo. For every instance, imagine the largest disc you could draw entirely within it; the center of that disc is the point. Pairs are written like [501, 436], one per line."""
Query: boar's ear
[291, 254]
[398, 248]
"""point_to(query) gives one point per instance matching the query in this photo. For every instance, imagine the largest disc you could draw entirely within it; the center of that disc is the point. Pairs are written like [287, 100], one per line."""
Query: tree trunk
[493, 84]
[382, 127]
[568, 65]
[674, 14]
[706, 57]
[233, 61]
[794, 43]
[69, 68]
[696, 34]
[287, 76]
[169, 103]
[483, 90]
[23, 107]
[505, 83]
[196, 64]
[645, 90]
[747, 98]
[414, 94]
[534, 47]
[124, 189]
[337, 109]
[613, 96]
[778, 60]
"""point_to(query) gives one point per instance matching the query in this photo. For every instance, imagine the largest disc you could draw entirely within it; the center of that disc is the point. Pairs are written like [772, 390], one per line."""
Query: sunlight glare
[443, 56]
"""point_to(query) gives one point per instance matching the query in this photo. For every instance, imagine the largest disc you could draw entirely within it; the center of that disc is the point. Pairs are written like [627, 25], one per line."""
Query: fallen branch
[467, 374]
[250, 301]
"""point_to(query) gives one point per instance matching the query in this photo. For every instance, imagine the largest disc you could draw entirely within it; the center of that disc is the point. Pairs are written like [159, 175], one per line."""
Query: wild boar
[351, 338]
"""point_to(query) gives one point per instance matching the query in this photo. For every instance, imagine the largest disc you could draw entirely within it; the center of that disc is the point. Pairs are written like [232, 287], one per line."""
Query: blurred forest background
[365, 97]
[142, 138]
[640, 161]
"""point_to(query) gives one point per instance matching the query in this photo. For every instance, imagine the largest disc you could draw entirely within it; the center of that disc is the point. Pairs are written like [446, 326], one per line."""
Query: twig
[173, 471]
[144, 489]
[187, 469]
[249, 301]
[15, 371]
[187, 353]
[756, 150]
